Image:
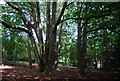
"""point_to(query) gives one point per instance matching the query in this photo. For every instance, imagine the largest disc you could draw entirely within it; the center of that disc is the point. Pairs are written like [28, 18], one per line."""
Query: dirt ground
[21, 73]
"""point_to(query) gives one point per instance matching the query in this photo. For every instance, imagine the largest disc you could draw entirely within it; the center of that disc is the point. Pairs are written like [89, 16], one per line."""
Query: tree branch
[94, 36]
[69, 4]
[61, 14]
[11, 5]
[97, 30]
[18, 28]
[26, 22]
[99, 16]
[115, 32]
[8, 12]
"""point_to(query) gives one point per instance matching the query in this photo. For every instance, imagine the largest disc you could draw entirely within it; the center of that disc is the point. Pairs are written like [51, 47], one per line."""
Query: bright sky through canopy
[2, 2]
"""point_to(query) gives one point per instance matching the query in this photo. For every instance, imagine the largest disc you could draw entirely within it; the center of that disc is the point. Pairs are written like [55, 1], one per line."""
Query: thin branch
[38, 12]
[99, 16]
[97, 30]
[14, 7]
[86, 22]
[69, 4]
[115, 31]
[8, 12]
[94, 36]
[101, 34]
[26, 22]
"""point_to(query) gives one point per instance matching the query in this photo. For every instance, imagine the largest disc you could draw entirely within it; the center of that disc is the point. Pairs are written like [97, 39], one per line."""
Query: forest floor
[22, 73]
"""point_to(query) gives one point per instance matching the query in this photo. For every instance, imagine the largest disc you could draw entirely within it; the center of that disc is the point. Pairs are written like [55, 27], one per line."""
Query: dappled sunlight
[62, 73]
[59, 41]
[58, 69]
[1, 71]
[6, 67]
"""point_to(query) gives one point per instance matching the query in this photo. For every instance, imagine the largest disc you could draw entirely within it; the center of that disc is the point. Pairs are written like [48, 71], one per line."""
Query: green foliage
[12, 44]
[97, 41]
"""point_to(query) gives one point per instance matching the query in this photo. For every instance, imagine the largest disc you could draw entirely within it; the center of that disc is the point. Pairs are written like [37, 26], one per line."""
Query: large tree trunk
[35, 50]
[52, 57]
[47, 34]
[41, 45]
[81, 49]
[106, 50]
[81, 42]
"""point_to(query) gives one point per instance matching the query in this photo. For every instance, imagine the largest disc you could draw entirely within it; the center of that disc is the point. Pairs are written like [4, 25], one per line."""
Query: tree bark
[47, 34]
[52, 57]
[59, 45]
[29, 53]
[81, 43]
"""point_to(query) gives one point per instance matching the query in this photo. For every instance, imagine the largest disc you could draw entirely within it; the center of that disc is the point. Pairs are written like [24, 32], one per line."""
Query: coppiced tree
[30, 15]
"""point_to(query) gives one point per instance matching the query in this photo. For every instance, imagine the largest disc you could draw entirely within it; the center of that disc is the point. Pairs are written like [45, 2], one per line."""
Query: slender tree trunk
[106, 52]
[35, 49]
[79, 44]
[41, 45]
[15, 54]
[28, 46]
[83, 51]
[59, 45]
[29, 53]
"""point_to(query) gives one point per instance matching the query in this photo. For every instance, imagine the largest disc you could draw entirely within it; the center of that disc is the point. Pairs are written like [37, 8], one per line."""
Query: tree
[29, 27]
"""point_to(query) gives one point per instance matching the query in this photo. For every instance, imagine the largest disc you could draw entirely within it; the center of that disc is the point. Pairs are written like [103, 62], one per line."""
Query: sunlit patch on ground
[1, 71]
[2, 68]
[5, 67]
